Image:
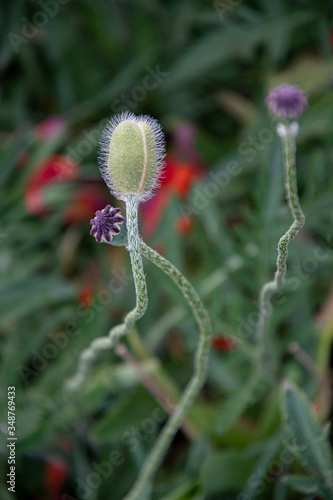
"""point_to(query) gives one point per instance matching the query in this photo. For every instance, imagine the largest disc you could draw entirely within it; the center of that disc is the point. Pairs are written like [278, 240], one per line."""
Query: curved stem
[90, 354]
[288, 141]
[138, 273]
[143, 483]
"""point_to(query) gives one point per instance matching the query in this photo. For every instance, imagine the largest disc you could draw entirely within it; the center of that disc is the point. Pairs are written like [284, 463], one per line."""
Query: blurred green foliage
[210, 65]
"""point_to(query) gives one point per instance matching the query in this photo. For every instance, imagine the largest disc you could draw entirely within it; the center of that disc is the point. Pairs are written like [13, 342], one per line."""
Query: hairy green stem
[287, 134]
[142, 485]
[90, 354]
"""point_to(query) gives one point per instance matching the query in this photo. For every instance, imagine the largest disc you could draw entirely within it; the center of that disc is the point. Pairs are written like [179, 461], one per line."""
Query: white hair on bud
[281, 130]
[287, 130]
[294, 128]
[104, 152]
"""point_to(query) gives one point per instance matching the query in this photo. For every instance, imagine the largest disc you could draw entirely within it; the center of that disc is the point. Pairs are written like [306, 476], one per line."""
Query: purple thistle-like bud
[106, 223]
[287, 101]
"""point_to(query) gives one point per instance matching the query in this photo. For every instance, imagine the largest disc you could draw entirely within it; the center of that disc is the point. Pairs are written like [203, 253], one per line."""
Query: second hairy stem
[143, 483]
[287, 134]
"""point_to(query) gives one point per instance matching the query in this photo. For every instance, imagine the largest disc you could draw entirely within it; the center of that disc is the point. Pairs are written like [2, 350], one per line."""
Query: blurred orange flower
[184, 224]
[178, 179]
[86, 296]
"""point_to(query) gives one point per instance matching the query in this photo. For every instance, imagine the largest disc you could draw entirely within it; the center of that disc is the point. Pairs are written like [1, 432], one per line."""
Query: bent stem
[287, 134]
[91, 353]
[142, 485]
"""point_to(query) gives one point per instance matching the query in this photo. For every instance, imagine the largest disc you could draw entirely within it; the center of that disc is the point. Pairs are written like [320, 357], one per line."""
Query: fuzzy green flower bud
[131, 156]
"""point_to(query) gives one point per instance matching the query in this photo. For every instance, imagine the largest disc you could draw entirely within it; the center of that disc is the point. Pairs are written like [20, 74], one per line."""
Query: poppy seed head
[106, 223]
[287, 101]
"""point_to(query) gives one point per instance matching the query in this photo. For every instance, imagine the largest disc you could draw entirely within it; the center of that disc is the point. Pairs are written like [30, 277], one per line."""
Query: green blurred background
[203, 70]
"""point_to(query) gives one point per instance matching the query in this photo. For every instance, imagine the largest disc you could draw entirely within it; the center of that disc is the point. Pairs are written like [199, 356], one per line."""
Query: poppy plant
[131, 160]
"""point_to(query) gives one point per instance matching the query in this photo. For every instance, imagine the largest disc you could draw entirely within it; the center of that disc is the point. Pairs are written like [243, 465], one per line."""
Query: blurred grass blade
[303, 484]
[236, 405]
[218, 47]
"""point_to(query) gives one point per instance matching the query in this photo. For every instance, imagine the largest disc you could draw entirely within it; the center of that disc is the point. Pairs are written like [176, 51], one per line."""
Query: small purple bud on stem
[287, 101]
[106, 223]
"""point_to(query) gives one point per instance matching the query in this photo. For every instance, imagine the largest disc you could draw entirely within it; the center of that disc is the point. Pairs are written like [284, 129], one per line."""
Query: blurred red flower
[56, 471]
[224, 343]
[52, 170]
[178, 178]
[86, 201]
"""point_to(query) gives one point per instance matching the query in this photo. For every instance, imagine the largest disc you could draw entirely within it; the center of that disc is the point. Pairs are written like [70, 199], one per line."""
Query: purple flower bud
[106, 223]
[287, 101]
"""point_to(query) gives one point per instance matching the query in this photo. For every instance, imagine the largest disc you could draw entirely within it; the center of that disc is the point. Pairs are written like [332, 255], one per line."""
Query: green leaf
[311, 445]
[127, 419]
[101, 99]
[181, 492]
[303, 484]
[218, 47]
[226, 471]
[261, 467]
[29, 420]
[28, 296]
[236, 405]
